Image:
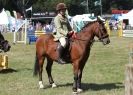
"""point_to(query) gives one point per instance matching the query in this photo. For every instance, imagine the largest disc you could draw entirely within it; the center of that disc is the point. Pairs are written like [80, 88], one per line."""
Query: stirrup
[60, 61]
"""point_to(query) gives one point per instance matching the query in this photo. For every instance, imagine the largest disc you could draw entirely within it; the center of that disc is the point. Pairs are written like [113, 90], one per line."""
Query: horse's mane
[88, 24]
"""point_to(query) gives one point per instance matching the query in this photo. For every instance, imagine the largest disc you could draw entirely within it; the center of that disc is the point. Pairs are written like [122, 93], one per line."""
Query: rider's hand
[70, 33]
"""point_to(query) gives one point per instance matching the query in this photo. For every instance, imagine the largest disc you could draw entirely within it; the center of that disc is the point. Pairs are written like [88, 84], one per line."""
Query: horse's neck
[86, 37]
[87, 33]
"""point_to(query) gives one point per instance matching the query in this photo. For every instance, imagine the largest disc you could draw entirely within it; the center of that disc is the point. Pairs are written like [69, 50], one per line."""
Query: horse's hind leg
[49, 69]
[41, 61]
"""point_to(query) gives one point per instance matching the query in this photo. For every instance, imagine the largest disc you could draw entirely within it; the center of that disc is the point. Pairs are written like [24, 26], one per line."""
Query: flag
[97, 3]
[29, 9]
[84, 3]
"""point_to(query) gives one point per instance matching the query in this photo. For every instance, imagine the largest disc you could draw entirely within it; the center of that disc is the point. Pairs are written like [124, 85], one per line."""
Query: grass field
[103, 73]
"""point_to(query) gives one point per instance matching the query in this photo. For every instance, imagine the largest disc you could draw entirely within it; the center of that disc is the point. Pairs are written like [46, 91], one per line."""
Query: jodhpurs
[63, 41]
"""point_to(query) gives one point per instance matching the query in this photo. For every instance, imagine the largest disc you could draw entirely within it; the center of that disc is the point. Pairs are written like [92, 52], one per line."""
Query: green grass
[103, 73]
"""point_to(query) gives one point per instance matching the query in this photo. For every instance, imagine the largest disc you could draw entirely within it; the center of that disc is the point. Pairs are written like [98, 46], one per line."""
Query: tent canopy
[3, 18]
[128, 16]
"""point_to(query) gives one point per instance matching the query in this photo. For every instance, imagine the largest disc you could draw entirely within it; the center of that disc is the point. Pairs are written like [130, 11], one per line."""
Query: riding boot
[60, 52]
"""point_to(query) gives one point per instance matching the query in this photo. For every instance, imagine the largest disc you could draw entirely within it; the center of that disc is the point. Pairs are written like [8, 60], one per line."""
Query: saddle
[66, 53]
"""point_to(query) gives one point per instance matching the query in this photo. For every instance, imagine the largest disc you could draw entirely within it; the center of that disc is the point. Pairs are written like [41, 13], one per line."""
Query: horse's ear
[100, 19]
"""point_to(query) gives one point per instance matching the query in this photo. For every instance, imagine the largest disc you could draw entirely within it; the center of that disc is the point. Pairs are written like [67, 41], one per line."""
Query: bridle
[101, 34]
[103, 37]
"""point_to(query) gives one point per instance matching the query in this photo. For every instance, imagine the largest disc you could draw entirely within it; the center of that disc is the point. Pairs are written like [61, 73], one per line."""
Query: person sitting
[63, 28]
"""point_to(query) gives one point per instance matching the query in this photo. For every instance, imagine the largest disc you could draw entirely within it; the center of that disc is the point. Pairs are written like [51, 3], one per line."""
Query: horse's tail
[36, 66]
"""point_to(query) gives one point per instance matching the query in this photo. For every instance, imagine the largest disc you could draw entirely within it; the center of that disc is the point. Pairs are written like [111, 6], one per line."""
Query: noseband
[103, 37]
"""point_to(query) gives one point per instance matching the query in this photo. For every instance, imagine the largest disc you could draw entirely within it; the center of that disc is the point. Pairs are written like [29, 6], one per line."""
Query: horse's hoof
[75, 93]
[54, 85]
[41, 87]
[79, 90]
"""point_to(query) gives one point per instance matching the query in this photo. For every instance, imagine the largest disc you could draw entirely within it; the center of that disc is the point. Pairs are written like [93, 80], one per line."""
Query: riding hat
[60, 6]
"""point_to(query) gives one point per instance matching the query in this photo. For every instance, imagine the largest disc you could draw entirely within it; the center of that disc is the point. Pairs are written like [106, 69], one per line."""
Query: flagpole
[87, 6]
[24, 9]
[101, 7]
[31, 11]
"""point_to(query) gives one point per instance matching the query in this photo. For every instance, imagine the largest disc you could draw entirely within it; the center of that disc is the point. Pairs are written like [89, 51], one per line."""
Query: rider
[63, 28]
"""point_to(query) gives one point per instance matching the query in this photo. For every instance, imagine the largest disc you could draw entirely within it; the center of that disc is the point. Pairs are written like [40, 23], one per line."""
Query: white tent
[128, 16]
[3, 18]
[77, 22]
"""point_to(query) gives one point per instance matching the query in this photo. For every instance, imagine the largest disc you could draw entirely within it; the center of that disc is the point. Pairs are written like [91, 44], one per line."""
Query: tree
[17, 5]
[74, 6]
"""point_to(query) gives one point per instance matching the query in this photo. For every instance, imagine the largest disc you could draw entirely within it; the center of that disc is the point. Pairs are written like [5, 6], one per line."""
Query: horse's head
[101, 31]
[4, 45]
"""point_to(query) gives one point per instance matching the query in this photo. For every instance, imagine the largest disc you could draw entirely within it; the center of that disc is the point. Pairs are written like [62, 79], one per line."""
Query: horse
[4, 44]
[79, 51]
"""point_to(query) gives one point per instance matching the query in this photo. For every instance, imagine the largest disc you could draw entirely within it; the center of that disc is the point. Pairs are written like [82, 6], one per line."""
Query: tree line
[80, 6]
[74, 6]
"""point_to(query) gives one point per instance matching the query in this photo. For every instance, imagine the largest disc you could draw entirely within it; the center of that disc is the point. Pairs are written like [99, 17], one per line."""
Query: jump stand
[107, 27]
[120, 30]
[33, 37]
[3, 61]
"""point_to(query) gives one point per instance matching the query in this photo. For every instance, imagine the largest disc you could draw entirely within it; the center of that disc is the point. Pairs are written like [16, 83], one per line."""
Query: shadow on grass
[59, 85]
[105, 86]
[24, 69]
[9, 70]
[97, 87]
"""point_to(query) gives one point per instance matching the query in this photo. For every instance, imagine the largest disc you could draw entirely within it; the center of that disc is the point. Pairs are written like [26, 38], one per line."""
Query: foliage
[17, 5]
[74, 6]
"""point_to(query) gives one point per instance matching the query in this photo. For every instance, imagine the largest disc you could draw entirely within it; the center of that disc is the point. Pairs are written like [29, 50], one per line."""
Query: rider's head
[61, 8]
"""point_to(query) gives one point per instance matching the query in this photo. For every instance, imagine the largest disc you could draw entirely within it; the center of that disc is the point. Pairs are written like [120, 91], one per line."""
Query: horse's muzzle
[7, 48]
[105, 41]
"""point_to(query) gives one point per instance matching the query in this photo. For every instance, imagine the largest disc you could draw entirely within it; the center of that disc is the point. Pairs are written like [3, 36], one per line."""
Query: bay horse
[79, 51]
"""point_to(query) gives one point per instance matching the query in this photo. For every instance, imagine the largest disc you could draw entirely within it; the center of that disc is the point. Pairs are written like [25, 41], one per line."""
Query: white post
[25, 36]
[14, 37]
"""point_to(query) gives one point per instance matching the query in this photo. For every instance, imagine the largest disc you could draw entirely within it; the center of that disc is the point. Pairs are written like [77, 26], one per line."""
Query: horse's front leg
[81, 67]
[49, 69]
[77, 77]
[77, 82]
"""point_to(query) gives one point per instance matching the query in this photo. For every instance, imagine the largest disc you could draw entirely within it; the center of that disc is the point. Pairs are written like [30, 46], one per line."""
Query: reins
[81, 39]
[87, 40]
